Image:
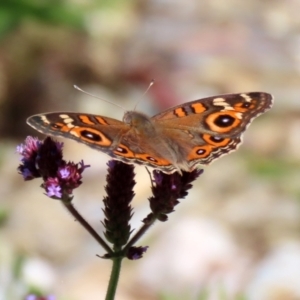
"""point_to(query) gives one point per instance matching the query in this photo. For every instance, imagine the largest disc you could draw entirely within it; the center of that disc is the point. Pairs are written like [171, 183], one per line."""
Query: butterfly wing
[223, 114]
[116, 138]
[211, 127]
[98, 132]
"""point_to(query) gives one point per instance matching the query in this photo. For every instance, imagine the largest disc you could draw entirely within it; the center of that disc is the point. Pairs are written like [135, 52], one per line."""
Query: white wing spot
[222, 102]
[70, 125]
[246, 97]
[219, 101]
[64, 116]
[74, 133]
[68, 121]
[239, 115]
[45, 120]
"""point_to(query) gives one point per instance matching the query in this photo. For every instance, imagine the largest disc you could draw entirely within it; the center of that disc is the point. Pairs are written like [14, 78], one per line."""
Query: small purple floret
[53, 188]
[64, 173]
[135, 253]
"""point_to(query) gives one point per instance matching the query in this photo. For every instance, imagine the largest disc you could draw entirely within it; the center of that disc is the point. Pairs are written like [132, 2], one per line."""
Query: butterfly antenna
[87, 93]
[148, 88]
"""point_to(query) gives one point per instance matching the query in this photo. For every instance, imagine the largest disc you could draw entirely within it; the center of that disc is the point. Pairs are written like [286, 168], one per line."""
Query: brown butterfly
[180, 138]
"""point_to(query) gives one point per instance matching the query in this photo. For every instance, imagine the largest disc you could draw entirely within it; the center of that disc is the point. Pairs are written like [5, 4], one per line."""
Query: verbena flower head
[117, 208]
[39, 158]
[29, 151]
[166, 190]
[44, 159]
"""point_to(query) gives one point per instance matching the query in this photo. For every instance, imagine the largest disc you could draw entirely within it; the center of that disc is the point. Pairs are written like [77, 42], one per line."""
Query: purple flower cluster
[44, 159]
[166, 190]
[117, 203]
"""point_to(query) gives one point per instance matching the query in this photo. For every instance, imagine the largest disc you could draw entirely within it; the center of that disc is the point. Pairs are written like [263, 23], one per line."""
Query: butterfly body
[180, 138]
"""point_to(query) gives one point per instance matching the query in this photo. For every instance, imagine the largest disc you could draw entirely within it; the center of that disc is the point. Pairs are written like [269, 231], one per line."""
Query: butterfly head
[138, 120]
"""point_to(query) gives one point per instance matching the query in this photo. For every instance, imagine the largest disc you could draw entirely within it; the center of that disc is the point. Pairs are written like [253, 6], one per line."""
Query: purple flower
[28, 151]
[64, 173]
[167, 189]
[30, 147]
[49, 158]
[117, 207]
[44, 159]
[53, 187]
[68, 178]
[39, 159]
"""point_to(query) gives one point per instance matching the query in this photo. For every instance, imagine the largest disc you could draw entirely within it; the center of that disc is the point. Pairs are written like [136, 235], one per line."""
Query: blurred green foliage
[13, 13]
[3, 216]
[204, 295]
[269, 167]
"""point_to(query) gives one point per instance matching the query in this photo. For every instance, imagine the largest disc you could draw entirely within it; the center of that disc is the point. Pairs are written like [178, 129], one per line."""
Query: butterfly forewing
[95, 131]
[244, 107]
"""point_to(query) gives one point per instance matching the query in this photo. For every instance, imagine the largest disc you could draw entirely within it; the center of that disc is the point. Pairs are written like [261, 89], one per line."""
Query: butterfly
[177, 139]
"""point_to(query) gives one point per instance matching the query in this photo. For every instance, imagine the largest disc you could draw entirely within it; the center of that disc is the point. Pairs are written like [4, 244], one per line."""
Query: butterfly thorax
[148, 139]
[140, 122]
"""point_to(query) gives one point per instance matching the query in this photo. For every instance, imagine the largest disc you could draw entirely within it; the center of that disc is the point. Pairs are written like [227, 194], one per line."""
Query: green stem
[114, 278]
[70, 207]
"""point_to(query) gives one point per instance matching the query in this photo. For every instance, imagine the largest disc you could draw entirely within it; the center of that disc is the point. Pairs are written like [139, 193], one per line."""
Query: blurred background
[236, 235]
